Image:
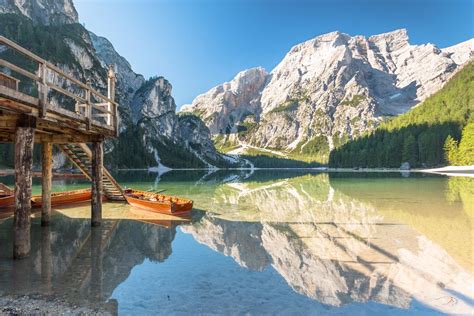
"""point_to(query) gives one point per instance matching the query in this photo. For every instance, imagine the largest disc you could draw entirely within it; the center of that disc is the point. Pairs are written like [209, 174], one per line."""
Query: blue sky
[197, 44]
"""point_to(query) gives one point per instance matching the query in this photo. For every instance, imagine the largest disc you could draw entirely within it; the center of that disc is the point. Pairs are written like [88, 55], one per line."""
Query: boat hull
[63, 198]
[161, 203]
[7, 200]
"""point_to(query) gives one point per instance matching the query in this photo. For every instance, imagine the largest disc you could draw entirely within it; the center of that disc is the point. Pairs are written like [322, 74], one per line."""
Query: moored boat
[158, 203]
[7, 196]
[62, 198]
[6, 200]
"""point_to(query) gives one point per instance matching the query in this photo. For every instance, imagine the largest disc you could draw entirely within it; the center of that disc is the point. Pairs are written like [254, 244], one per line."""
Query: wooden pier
[53, 108]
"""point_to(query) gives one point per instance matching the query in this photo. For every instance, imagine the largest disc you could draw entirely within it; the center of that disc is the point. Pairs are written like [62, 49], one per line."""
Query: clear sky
[197, 44]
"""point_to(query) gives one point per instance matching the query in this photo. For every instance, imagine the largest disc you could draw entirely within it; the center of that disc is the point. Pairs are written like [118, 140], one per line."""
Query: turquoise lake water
[263, 242]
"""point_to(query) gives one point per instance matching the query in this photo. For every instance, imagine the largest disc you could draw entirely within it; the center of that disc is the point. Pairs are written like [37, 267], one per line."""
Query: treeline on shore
[439, 131]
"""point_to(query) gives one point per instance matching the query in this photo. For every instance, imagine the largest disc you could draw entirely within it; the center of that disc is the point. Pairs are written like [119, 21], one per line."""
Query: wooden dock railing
[90, 105]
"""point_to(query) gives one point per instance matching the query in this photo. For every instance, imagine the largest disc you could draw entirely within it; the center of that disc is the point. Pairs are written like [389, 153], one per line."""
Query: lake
[263, 242]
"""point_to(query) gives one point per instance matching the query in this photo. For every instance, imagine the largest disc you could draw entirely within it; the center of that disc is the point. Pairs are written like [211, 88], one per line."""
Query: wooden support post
[97, 189]
[88, 106]
[24, 142]
[43, 89]
[111, 95]
[47, 175]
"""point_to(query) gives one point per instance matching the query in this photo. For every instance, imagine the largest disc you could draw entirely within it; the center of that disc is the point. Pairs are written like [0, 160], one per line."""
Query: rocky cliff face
[231, 102]
[147, 110]
[128, 82]
[329, 89]
[154, 111]
[42, 11]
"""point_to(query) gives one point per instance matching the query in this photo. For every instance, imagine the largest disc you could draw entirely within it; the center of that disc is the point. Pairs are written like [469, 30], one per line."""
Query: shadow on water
[84, 265]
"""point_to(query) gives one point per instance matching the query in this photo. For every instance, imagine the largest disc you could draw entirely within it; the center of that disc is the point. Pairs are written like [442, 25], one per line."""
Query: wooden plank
[47, 176]
[97, 183]
[8, 77]
[67, 139]
[9, 137]
[24, 141]
[65, 92]
[13, 95]
[101, 109]
[19, 70]
[22, 50]
[8, 81]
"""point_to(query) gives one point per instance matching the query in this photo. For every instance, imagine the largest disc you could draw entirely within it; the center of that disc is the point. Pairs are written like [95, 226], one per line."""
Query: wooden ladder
[81, 156]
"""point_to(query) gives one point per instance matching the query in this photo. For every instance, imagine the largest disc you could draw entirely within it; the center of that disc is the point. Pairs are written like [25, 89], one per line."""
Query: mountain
[148, 120]
[427, 135]
[46, 12]
[324, 92]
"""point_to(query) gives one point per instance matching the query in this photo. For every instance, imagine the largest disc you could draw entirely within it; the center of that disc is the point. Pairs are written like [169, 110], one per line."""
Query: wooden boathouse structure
[54, 109]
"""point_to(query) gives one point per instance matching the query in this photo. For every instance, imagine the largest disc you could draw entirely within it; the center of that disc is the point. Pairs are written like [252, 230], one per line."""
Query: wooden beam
[9, 137]
[24, 142]
[47, 176]
[64, 139]
[58, 117]
[97, 185]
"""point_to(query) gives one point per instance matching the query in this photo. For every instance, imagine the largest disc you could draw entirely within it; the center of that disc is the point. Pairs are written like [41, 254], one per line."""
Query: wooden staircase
[81, 156]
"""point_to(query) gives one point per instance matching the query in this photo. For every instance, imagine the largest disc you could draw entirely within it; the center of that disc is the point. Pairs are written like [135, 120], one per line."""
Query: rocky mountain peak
[153, 99]
[45, 12]
[329, 89]
[393, 40]
[231, 102]
[461, 53]
[245, 79]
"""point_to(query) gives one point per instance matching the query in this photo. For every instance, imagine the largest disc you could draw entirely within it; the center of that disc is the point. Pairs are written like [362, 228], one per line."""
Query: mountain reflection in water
[295, 244]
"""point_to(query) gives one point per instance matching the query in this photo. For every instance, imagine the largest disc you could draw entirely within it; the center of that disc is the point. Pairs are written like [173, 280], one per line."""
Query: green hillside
[439, 131]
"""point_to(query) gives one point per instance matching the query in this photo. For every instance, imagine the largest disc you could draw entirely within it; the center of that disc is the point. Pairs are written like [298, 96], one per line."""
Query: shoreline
[467, 171]
[39, 304]
[454, 171]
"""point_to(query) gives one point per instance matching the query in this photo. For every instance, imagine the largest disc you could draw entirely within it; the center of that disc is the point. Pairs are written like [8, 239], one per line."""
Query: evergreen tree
[466, 146]
[451, 150]
[410, 151]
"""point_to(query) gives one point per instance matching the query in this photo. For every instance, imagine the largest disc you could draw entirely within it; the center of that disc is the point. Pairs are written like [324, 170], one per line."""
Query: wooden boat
[62, 198]
[6, 200]
[7, 196]
[158, 203]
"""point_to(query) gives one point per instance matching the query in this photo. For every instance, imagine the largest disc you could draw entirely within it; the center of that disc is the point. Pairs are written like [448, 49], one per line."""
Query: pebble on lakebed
[46, 305]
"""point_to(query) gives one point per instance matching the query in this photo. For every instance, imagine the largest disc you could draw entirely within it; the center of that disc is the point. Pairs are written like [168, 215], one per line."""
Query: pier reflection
[81, 264]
